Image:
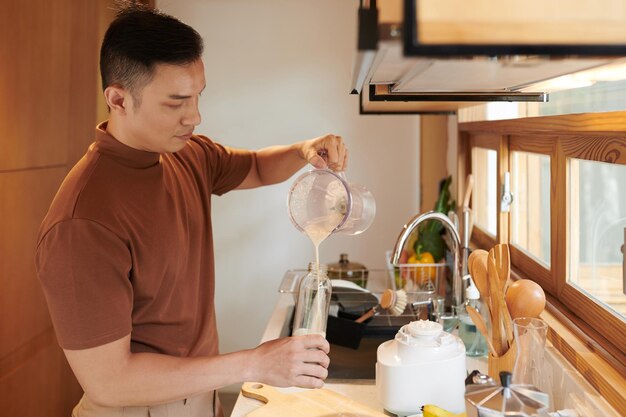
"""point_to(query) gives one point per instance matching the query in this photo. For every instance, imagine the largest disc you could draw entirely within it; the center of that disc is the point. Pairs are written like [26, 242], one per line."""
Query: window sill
[594, 373]
[588, 366]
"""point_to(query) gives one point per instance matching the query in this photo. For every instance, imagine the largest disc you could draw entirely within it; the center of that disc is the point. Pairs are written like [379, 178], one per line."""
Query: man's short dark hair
[139, 38]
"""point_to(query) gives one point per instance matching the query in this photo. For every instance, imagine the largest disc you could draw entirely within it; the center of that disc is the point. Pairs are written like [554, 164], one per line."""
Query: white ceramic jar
[422, 365]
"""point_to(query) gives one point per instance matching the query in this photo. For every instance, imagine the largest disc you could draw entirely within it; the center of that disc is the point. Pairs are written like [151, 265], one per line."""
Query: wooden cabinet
[48, 93]
[448, 54]
[35, 83]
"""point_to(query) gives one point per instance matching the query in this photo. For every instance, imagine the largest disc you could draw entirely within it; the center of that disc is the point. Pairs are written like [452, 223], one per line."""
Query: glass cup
[530, 338]
[322, 196]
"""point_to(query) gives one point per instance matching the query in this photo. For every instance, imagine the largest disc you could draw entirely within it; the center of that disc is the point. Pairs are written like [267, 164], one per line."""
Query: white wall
[279, 71]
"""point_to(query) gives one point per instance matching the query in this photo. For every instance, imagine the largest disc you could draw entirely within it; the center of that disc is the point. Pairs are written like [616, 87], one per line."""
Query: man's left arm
[277, 163]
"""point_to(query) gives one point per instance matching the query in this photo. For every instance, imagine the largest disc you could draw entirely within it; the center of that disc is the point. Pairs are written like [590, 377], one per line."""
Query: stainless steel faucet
[451, 238]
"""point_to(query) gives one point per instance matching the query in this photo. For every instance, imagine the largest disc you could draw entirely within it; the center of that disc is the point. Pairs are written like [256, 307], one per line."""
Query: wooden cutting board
[310, 403]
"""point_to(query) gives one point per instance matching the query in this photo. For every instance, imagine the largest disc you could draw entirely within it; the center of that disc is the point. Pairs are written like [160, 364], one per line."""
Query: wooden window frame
[525, 264]
[593, 136]
[498, 143]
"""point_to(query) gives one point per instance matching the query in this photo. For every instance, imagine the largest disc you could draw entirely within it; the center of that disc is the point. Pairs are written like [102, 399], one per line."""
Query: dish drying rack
[420, 281]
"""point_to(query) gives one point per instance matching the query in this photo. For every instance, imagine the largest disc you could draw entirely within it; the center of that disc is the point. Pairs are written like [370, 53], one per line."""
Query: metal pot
[349, 271]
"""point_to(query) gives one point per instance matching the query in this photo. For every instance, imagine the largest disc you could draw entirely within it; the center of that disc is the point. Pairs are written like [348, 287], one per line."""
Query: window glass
[597, 231]
[601, 96]
[530, 210]
[485, 173]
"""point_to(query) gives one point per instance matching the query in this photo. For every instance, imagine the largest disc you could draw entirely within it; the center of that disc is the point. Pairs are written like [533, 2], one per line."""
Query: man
[125, 253]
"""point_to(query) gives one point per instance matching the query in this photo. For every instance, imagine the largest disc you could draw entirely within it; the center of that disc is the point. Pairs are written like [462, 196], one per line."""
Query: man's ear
[117, 98]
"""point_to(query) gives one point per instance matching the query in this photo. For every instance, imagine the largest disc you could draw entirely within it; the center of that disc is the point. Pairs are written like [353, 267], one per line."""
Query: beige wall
[279, 71]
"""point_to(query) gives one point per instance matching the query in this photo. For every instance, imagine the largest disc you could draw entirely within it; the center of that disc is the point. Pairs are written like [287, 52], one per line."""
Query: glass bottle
[475, 343]
[313, 302]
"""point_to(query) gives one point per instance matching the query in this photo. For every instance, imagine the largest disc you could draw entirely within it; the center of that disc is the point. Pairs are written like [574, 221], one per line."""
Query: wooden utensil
[477, 266]
[500, 342]
[503, 263]
[310, 403]
[503, 266]
[481, 326]
[473, 256]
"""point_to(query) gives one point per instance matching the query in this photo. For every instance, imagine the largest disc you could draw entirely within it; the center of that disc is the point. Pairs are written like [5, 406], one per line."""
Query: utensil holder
[496, 364]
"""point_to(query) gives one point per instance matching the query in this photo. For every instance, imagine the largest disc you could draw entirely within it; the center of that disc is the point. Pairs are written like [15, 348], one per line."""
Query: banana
[430, 410]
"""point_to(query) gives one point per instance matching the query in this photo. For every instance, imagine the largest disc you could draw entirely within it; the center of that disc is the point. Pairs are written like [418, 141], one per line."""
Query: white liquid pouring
[318, 230]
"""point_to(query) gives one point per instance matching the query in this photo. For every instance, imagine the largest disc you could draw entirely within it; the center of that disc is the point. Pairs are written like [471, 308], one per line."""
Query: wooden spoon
[477, 267]
[481, 326]
[472, 258]
[500, 341]
[503, 266]
[478, 271]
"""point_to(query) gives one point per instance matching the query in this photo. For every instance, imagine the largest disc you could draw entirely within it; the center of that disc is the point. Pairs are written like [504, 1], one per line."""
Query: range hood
[454, 53]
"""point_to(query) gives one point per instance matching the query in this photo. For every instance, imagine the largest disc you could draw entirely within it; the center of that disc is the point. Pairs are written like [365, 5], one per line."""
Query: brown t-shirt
[127, 248]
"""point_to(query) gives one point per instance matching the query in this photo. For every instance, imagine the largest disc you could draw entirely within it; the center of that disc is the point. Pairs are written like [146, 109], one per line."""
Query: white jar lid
[424, 328]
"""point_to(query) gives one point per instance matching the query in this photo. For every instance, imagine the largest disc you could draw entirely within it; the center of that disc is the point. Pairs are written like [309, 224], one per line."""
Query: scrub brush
[393, 301]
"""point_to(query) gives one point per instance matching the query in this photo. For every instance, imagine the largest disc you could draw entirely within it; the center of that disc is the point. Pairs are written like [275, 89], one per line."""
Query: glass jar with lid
[349, 271]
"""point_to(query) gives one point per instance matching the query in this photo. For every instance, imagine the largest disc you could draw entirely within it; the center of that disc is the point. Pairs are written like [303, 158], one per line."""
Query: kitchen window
[530, 208]
[566, 224]
[486, 164]
[484, 170]
[597, 207]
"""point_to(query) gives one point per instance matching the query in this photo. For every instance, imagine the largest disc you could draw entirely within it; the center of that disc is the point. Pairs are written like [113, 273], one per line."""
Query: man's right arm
[113, 376]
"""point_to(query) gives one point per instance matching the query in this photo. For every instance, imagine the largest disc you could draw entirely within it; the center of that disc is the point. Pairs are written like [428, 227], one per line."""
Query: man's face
[168, 109]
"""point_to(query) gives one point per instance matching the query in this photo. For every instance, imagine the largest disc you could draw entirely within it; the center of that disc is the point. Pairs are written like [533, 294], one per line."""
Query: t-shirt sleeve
[226, 167]
[84, 271]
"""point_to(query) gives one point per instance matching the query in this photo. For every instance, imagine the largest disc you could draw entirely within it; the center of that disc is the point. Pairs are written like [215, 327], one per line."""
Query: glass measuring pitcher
[324, 197]
[530, 337]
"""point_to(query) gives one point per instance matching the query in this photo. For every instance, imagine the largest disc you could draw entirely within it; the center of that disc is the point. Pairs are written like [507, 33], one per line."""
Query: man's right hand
[300, 361]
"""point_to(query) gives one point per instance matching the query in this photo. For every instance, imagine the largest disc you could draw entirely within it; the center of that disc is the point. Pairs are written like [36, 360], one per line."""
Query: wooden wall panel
[84, 73]
[35, 86]
[43, 386]
[48, 91]
[106, 14]
[30, 194]
[433, 154]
